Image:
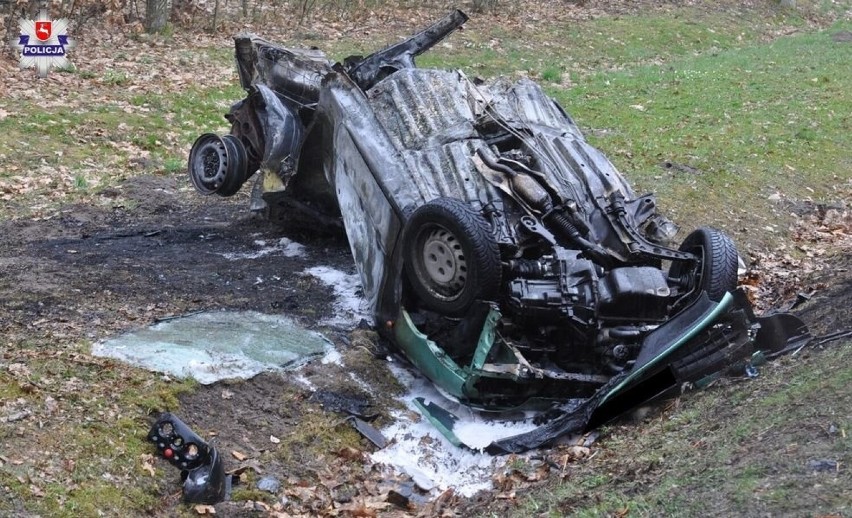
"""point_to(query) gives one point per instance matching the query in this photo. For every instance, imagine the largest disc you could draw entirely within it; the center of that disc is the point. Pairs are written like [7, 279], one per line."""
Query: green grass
[732, 458]
[90, 147]
[604, 43]
[750, 121]
[551, 74]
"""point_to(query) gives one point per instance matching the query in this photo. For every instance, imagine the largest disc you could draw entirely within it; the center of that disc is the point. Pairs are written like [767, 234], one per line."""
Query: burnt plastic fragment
[781, 333]
[201, 467]
[353, 405]
[368, 431]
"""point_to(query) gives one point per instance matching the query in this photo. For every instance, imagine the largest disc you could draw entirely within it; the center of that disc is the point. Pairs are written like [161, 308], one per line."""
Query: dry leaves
[148, 463]
[238, 455]
[773, 279]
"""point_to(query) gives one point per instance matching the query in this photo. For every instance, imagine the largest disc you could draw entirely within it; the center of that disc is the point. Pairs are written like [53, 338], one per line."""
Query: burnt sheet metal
[363, 173]
[439, 119]
[781, 333]
[281, 128]
[368, 71]
[530, 209]
[295, 73]
[204, 480]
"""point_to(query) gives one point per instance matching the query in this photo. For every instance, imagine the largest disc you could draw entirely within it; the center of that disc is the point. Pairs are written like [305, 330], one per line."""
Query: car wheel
[717, 273]
[451, 257]
[217, 164]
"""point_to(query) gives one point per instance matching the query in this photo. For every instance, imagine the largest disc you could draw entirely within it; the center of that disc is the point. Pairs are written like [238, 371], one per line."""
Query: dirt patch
[114, 267]
[842, 36]
[152, 251]
[830, 307]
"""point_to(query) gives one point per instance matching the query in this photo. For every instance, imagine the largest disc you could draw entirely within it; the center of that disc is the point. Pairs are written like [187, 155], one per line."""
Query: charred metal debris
[502, 254]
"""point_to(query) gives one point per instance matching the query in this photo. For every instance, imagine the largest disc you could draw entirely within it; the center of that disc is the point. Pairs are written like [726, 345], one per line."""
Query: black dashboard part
[202, 473]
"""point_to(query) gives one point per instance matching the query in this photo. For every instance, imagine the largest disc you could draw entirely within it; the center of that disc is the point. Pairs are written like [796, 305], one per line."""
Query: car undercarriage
[501, 253]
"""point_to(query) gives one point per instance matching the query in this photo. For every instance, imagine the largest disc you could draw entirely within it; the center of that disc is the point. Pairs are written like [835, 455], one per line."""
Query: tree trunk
[156, 15]
[215, 16]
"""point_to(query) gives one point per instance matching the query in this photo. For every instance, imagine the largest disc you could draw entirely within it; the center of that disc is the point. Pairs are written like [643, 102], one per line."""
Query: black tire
[451, 257]
[717, 272]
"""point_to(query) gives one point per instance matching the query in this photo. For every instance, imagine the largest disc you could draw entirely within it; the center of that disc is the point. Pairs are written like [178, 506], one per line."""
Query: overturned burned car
[503, 255]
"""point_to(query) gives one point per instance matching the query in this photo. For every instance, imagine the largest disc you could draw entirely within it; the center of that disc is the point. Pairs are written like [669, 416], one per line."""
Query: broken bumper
[702, 340]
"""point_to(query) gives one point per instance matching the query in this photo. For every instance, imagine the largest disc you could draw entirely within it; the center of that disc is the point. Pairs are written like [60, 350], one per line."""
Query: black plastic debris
[368, 431]
[203, 476]
[823, 465]
[344, 403]
[357, 409]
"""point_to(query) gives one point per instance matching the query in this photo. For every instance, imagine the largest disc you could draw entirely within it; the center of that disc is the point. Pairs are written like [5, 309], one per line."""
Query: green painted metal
[441, 419]
[430, 359]
[687, 335]
[486, 340]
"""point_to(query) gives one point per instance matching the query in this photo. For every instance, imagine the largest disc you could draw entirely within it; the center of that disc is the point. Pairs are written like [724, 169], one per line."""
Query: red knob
[168, 453]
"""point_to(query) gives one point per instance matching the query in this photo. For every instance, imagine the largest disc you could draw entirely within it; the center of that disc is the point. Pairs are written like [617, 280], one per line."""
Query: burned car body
[504, 255]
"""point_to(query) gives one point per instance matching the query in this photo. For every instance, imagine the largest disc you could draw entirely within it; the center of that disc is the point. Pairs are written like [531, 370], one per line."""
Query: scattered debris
[238, 455]
[148, 463]
[368, 431]
[823, 465]
[269, 484]
[204, 480]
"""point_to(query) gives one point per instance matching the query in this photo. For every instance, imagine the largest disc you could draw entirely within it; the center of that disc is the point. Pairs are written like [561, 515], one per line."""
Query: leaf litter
[47, 332]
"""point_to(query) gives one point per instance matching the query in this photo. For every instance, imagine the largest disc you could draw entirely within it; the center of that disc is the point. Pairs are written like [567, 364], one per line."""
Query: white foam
[332, 356]
[299, 377]
[419, 450]
[350, 307]
[290, 248]
[284, 246]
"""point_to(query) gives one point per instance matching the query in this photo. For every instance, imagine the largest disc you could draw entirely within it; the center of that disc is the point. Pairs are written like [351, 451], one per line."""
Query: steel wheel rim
[441, 263]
